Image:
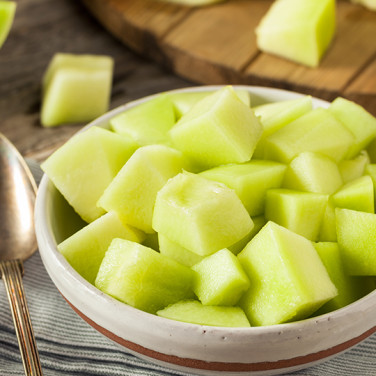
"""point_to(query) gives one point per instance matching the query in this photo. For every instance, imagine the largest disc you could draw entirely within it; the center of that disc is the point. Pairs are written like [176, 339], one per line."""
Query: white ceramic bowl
[189, 348]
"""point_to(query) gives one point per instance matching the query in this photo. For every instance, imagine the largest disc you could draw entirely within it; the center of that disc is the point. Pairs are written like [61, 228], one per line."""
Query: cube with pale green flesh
[76, 88]
[313, 172]
[351, 169]
[142, 277]
[250, 181]
[357, 194]
[328, 231]
[301, 212]
[349, 288]
[288, 280]
[7, 12]
[83, 167]
[357, 120]
[184, 100]
[147, 123]
[220, 279]
[192, 311]
[220, 121]
[356, 236]
[132, 192]
[274, 116]
[85, 249]
[317, 131]
[297, 30]
[201, 215]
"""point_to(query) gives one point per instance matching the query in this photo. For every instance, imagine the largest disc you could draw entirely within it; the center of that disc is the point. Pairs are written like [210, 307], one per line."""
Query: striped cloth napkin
[69, 346]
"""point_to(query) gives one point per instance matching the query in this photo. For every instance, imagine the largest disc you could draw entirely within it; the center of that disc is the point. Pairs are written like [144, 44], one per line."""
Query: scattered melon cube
[274, 116]
[297, 30]
[83, 167]
[201, 215]
[194, 312]
[220, 279]
[76, 88]
[288, 281]
[7, 12]
[357, 120]
[301, 212]
[220, 121]
[328, 231]
[356, 234]
[132, 192]
[358, 194]
[250, 181]
[142, 277]
[85, 249]
[148, 122]
[317, 131]
[313, 172]
[351, 169]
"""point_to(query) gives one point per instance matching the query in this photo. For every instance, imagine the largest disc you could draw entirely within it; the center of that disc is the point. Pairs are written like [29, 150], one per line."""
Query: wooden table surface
[42, 28]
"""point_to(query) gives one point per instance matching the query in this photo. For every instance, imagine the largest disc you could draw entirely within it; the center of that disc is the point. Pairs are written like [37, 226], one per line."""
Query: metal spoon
[17, 243]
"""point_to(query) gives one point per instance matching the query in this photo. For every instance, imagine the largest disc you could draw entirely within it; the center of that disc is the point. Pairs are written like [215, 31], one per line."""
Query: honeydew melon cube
[274, 116]
[132, 192]
[297, 30]
[184, 101]
[220, 121]
[201, 215]
[148, 122]
[357, 120]
[142, 277]
[316, 131]
[76, 88]
[192, 311]
[351, 169]
[7, 12]
[358, 194]
[288, 281]
[328, 231]
[301, 212]
[313, 172]
[250, 181]
[83, 167]
[220, 279]
[356, 234]
[85, 249]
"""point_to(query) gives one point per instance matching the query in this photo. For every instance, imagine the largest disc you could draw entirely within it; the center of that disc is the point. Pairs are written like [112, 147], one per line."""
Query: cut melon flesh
[83, 167]
[201, 215]
[85, 249]
[274, 116]
[356, 234]
[220, 121]
[357, 120]
[76, 88]
[132, 192]
[142, 277]
[370, 170]
[301, 212]
[313, 172]
[298, 30]
[194, 312]
[351, 169]
[317, 131]
[328, 232]
[147, 123]
[281, 266]
[250, 181]
[220, 279]
[7, 12]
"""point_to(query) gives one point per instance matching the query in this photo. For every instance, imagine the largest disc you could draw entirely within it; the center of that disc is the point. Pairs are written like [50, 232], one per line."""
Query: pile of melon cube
[200, 207]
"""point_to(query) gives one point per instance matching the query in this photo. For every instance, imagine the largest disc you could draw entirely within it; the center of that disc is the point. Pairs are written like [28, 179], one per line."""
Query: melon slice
[201, 215]
[84, 166]
[288, 281]
[351, 169]
[7, 12]
[142, 277]
[194, 312]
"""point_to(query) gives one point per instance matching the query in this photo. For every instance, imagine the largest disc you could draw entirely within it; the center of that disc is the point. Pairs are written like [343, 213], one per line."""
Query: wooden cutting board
[217, 45]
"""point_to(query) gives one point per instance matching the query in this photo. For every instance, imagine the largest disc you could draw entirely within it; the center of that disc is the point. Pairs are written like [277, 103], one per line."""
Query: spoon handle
[11, 272]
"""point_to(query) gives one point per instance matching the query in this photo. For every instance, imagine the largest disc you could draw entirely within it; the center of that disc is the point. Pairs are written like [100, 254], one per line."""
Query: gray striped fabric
[69, 346]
